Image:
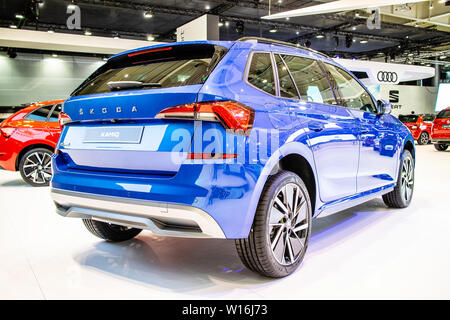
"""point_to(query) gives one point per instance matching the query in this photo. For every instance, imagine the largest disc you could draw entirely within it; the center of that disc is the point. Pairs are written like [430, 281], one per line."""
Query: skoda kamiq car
[247, 140]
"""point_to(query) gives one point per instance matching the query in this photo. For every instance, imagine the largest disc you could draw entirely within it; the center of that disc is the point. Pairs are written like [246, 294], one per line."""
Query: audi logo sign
[385, 76]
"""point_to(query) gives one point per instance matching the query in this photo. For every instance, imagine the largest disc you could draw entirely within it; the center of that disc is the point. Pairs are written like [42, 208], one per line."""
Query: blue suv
[246, 140]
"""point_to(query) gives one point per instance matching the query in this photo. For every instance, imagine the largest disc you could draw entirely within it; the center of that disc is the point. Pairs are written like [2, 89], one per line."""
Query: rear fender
[270, 168]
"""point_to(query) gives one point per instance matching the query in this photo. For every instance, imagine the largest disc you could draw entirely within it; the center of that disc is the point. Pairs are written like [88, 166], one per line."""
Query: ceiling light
[116, 36]
[87, 33]
[19, 16]
[273, 30]
[148, 14]
[227, 24]
[364, 41]
[320, 36]
[71, 6]
[297, 32]
[105, 59]
[287, 18]
[207, 7]
[54, 55]
[13, 26]
[220, 24]
[150, 37]
[51, 31]
[443, 57]
[353, 28]
[40, 3]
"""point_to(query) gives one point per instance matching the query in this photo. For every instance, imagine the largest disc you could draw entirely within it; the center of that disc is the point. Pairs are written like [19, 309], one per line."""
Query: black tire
[424, 138]
[403, 192]
[256, 251]
[110, 232]
[440, 147]
[35, 167]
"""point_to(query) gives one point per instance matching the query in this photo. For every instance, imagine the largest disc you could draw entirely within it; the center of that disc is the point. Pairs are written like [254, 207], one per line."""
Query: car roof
[250, 44]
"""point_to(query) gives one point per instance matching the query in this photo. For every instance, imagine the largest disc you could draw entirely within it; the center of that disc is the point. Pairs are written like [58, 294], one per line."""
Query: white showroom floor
[366, 252]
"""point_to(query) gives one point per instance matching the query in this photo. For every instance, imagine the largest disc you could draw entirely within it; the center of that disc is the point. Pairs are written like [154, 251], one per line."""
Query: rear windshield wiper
[124, 85]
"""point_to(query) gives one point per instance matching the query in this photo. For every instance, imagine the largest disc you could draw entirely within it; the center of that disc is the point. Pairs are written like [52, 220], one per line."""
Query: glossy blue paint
[352, 154]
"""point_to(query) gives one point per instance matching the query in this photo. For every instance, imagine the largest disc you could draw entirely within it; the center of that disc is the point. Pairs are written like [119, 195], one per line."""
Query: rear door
[332, 131]
[378, 135]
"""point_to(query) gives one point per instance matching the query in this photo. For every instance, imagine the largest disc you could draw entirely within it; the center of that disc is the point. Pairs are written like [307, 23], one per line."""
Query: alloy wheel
[407, 179]
[424, 138]
[38, 167]
[288, 224]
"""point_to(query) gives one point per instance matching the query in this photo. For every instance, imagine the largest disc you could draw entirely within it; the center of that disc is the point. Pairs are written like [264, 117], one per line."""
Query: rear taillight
[7, 131]
[63, 118]
[234, 116]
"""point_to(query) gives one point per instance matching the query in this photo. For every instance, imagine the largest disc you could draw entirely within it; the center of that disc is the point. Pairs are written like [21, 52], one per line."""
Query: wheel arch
[30, 147]
[286, 158]
[409, 145]
[300, 166]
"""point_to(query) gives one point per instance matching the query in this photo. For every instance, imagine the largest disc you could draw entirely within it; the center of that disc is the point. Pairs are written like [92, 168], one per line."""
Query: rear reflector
[234, 116]
[195, 156]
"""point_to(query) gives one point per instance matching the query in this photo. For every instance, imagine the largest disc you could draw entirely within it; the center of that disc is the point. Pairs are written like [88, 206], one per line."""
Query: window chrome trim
[299, 99]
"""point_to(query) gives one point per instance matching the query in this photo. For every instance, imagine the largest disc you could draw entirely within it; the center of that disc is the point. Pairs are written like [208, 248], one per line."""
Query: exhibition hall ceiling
[404, 28]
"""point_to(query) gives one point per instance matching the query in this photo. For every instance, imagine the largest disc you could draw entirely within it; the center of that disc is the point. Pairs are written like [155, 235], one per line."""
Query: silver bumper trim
[160, 218]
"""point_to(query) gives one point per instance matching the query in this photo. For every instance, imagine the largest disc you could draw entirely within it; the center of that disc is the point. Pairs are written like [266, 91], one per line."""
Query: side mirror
[383, 107]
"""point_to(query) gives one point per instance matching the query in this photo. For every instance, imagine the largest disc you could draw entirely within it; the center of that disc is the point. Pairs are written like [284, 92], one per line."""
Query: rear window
[175, 66]
[428, 118]
[443, 114]
[408, 118]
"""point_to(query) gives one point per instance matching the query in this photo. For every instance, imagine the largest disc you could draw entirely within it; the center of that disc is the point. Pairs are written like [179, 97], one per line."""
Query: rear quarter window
[261, 74]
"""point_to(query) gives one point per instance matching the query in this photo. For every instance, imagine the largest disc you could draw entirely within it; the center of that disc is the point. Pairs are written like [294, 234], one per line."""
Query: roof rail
[281, 43]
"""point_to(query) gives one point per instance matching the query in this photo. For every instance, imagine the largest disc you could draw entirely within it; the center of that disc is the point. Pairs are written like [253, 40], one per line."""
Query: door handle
[364, 131]
[316, 126]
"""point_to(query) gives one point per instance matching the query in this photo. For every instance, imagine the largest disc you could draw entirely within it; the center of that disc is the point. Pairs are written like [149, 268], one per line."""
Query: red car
[440, 133]
[419, 125]
[28, 139]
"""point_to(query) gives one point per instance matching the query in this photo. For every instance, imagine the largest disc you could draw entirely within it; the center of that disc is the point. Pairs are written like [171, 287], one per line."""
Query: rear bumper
[222, 191]
[160, 218]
